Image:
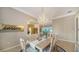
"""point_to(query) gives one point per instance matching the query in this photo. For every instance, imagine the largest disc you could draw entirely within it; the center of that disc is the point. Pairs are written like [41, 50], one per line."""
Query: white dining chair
[52, 43]
[23, 44]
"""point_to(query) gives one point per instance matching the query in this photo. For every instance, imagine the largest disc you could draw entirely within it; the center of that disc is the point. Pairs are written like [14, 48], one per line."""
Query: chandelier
[42, 18]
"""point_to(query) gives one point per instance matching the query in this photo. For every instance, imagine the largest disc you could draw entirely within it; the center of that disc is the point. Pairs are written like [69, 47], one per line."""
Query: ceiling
[50, 12]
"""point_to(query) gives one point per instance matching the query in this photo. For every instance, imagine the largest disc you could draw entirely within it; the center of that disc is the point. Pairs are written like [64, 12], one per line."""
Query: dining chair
[52, 44]
[23, 44]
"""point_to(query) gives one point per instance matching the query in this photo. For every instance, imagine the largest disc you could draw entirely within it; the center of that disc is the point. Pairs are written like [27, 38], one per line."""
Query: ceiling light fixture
[42, 19]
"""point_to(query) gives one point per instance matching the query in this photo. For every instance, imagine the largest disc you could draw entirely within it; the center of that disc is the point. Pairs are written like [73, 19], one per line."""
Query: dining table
[43, 44]
[40, 45]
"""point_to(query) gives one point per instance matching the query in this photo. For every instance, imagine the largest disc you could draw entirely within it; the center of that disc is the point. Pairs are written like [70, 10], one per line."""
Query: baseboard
[9, 48]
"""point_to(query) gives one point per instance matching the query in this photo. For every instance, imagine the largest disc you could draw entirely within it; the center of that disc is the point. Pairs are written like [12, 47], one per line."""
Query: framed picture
[11, 28]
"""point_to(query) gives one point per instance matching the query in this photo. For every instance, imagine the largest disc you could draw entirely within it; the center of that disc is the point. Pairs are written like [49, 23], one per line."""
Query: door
[77, 34]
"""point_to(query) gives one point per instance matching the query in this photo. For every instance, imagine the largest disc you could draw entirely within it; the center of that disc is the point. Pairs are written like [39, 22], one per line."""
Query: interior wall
[78, 34]
[65, 28]
[13, 17]
[78, 29]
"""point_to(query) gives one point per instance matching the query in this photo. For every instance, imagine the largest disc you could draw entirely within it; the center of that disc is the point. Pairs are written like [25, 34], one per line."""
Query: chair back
[22, 43]
[52, 43]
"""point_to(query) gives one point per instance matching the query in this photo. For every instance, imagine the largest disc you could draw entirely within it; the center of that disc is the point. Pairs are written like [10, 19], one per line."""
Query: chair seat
[30, 49]
[56, 49]
[59, 49]
[33, 43]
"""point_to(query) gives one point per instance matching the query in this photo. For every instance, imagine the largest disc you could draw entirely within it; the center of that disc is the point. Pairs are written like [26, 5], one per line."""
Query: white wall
[11, 16]
[65, 28]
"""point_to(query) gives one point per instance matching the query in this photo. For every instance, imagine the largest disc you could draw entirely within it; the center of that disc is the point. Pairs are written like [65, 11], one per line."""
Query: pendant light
[42, 18]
